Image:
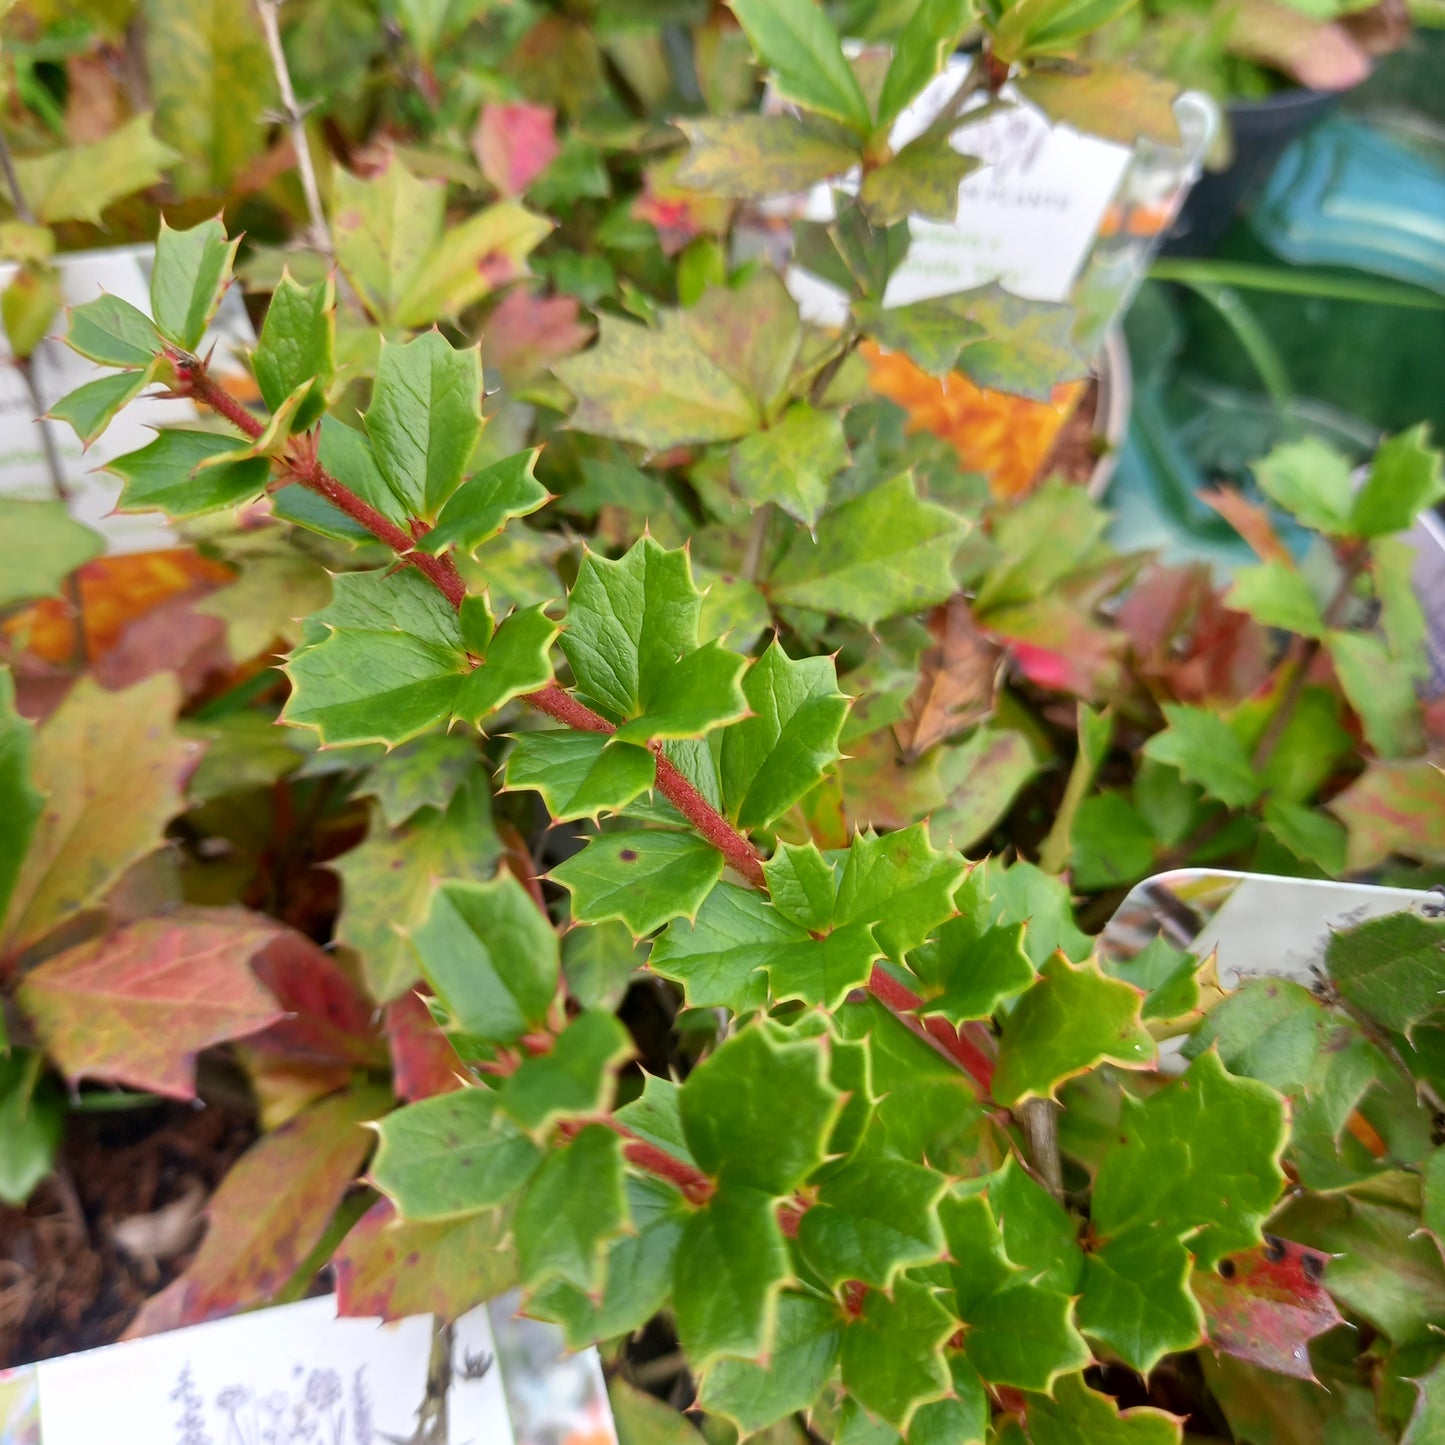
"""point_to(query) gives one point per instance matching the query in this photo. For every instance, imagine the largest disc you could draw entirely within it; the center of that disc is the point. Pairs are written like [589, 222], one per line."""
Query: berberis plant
[760, 1063]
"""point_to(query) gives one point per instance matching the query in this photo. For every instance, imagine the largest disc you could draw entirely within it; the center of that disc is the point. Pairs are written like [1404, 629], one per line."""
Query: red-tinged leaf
[679, 215]
[514, 144]
[1394, 807]
[388, 1269]
[956, 683]
[1250, 519]
[1087, 672]
[331, 1019]
[526, 334]
[136, 1006]
[423, 1061]
[1265, 1305]
[275, 1204]
[160, 1313]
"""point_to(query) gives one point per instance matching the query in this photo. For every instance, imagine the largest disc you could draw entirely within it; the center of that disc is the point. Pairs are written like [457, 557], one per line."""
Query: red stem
[938, 1031]
[695, 1185]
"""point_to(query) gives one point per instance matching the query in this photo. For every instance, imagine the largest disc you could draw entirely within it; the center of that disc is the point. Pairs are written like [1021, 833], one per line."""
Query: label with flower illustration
[297, 1375]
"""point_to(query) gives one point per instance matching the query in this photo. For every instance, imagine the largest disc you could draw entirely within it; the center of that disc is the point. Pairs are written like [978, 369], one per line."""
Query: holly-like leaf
[485, 503]
[1136, 1298]
[900, 883]
[390, 1269]
[960, 1419]
[298, 345]
[795, 40]
[735, 1130]
[1029, 347]
[573, 1205]
[1164, 974]
[1311, 481]
[876, 556]
[1427, 1420]
[271, 1210]
[1271, 1029]
[110, 767]
[1392, 969]
[751, 156]
[921, 180]
[454, 1155]
[1112, 101]
[113, 333]
[770, 760]
[791, 463]
[1206, 751]
[970, 970]
[802, 885]
[191, 271]
[77, 182]
[91, 408]
[639, 1269]
[1265, 1305]
[421, 774]
[698, 693]
[385, 228]
[491, 956]
[517, 662]
[1406, 478]
[1393, 807]
[805, 1349]
[41, 544]
[1307, 833]
[1275, 594]
[575, 1078]
[580, 775]
[1221, 1187]
[930, 333]
[1075, 1414]
[423, 1061]
[892, 1355]
[655, 386]
[729, 1271]
[1067, 1022]
[1380, 689]
[872, 1219]
[171, 475]
[645, 878]
[424, 419]
[389, 880]
[391, 665]
[136, 1006]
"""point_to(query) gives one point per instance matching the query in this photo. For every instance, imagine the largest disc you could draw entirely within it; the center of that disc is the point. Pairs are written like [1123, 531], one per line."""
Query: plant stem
[1039, 1119]
[17, 196]
[962, 1047]
[269, 13]
[757, 540]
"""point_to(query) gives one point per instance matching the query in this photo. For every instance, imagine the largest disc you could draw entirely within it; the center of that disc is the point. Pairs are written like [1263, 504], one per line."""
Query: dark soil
[66, 1283]
[1076, 449]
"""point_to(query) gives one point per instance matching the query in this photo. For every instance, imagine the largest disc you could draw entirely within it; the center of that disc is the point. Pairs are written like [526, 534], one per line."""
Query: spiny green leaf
[1136, 1298]
[113, 333]
[1206, 751]
[425, 418]
[654, 386]
[930, 333]
[901, 883]
[575, 1078]
[451, 1155]
[795, 40]
[657, 1117]
[1405, 479]
[1164, 974]
[871, 1219]
[421, 774]
[1024, 893]
[791, 463]
[390, 667]
[91, 408]
[921, 180]
[1077, 1415]
[1269, 1029]
[731, 1116]
[878, 555]
[645, 878]
[628, 622]
[759, 155]
[167, 475]
[1029, 348]
[698, 693]
[77, 182]
[1308, 834]
[517, 661]
[1380, 689]
[1276, 595]
[928, 38]
[20, 800]
[491, 957]
[1311, 481]
[600, 962]
[1068, 1021]
[730, 1268]
[1391, 968]
[485, 503]
[298, 344]
[580, 775]
[572, 1207]
[1199, 1157]
[770, 760]
[41, 544]
[639, 1271]
[191, 271]
[962, 1419]
[973, 970]
[753, 331]
[385, 228]
[802, 885]
[1041, 1233]
[892, 1355]
[804, 1351]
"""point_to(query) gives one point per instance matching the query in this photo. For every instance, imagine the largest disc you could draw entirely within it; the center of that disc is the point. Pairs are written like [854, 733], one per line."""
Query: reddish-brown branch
[961, 1049]
[695, 1185]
